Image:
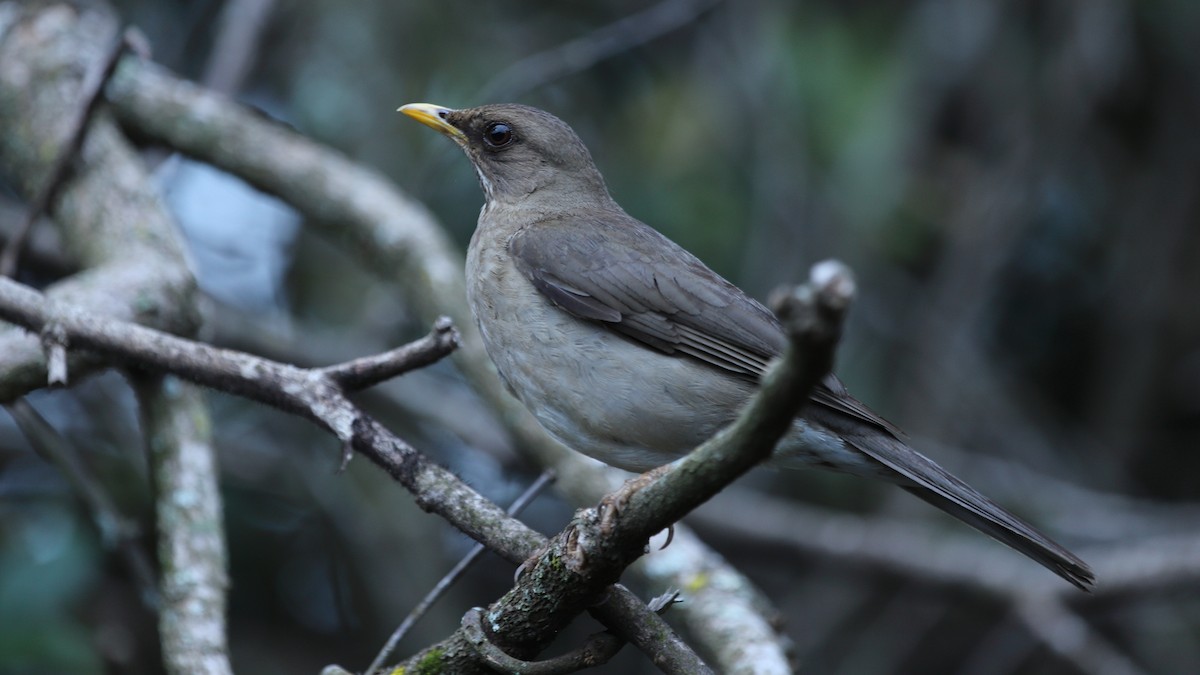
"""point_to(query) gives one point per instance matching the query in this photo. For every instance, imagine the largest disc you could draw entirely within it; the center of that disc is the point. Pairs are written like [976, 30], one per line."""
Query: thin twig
[746, 628]
[306, 392]
[584, 52]
[925, 553]
[109, 214]
[1072, 638]
[43, 249]
[90, 96]
[454, 574]
[1087, 512]
[236, 45]
[371, 370]
[116, 531]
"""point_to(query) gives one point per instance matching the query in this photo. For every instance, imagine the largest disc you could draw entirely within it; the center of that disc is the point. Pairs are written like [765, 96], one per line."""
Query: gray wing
[613, 270]
[648, 288]
[616, 271]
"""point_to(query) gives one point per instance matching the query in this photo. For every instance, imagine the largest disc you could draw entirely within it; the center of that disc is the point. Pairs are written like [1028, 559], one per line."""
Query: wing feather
[651, 290]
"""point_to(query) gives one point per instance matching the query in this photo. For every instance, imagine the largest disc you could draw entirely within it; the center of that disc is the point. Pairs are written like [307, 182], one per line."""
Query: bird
[629, 349]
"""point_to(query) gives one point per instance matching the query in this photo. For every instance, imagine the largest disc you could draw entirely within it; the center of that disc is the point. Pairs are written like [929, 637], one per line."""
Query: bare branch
[116, 530]
[400, 241]
[599, 648]
[89, 95]
[309, 393]
[926, 554]
[191, 534]
[43, 250]
[114, 226]
[1073, 639]
[235, 49]
[586, 51]
[371, 370]
[454, 574]
[591, 553]
[113, 223]
[726, 612]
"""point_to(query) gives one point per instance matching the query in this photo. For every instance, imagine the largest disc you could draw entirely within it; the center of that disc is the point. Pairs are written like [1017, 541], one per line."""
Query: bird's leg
[610, 507]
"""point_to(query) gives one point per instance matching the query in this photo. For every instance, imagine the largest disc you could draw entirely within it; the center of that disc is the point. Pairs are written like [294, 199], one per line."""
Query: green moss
[431, 663]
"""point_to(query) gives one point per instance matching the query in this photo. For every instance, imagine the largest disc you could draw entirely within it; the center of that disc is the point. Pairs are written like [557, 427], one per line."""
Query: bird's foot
[611, 506]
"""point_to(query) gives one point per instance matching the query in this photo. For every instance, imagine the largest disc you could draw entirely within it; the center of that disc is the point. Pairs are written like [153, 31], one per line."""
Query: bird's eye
[497, 134]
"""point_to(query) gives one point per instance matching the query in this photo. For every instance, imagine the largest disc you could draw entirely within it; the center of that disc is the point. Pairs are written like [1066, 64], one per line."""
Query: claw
[670, 536]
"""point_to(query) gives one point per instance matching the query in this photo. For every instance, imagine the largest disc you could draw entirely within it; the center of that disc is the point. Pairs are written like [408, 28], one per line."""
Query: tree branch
[453, 575]
[371, 370]
[191, 533]
[599, 45]
[116, 530]
[113, 222]
[310, 393]
[90, 94]
[592, 552]
[399, 239]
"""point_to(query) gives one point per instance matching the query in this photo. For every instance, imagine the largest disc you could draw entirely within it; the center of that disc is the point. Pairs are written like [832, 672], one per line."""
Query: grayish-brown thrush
[629, 349]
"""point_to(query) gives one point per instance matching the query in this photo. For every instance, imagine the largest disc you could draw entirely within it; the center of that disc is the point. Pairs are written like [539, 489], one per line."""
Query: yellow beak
[434, 116]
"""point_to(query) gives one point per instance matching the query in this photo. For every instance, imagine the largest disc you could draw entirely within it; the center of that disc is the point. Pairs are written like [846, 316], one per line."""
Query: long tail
[925, 479]
[1009, 529]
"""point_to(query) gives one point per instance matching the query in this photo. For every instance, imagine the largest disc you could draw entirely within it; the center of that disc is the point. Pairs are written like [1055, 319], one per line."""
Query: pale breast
[605, 395]
[596, 391]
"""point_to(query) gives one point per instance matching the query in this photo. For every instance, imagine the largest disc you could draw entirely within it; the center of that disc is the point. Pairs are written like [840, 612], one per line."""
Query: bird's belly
[596, 391]
[609, 397]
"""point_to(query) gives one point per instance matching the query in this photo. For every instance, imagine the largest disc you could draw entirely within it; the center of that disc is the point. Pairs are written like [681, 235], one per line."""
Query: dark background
[1014, 183]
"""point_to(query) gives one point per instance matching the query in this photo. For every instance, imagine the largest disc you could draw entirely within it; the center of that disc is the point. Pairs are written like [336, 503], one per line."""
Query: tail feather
[1008, 529]
[925, 479]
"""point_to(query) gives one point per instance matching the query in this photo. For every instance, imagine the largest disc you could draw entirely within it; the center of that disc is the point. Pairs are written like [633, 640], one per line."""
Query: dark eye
[497, 134]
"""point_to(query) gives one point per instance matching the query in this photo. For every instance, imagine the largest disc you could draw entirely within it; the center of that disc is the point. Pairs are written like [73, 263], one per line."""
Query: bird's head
[519, 152]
